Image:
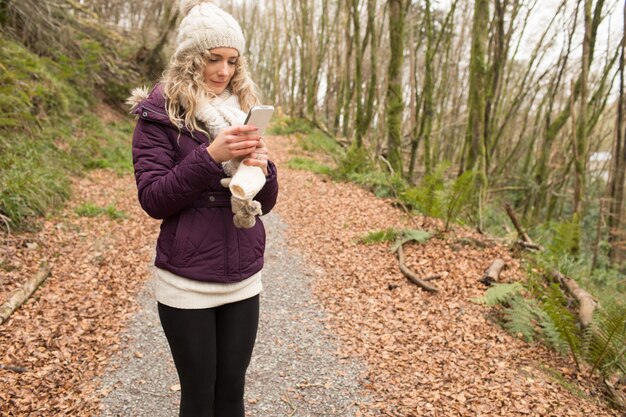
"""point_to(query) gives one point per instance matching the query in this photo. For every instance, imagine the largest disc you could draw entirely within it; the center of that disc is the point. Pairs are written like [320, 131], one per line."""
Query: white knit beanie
[206, 26]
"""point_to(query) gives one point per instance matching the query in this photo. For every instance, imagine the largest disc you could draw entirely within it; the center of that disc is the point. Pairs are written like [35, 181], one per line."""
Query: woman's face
[220, 68]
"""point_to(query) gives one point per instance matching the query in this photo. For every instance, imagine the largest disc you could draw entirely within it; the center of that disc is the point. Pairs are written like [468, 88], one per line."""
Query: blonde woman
[208, 270]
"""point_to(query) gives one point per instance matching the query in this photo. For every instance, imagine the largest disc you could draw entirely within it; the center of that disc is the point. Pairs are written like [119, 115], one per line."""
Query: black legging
[212, 349]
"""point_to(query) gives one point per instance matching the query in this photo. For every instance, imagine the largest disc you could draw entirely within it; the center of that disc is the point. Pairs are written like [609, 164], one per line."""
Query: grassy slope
[49, 131]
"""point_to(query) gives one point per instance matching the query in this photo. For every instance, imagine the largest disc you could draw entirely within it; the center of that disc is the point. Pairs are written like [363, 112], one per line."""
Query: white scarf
[219, 112]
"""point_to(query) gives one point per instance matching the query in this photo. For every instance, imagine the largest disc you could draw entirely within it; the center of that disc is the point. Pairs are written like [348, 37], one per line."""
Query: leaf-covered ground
[427, 354]
[70, 327]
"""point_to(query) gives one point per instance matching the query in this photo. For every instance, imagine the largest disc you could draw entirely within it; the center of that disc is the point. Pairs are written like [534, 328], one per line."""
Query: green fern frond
[519, 318]
[560, 324]
[457, 197]
[550, 333]
[410, 235]
[445, 199]
[566, 237]
[499, 294]
[384, 235]
[618, 363]
[426, 195]
[604, 342]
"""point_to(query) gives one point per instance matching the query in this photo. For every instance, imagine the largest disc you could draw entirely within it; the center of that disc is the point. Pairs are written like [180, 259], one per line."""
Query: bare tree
[395, 104]
[617, 237]
[580, 144]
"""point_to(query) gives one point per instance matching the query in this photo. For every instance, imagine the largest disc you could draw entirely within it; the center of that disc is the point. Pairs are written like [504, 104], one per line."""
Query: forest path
[294, 371]
[409, 352]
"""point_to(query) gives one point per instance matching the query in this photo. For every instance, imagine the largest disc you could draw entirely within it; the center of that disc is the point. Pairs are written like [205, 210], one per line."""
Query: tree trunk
[348, 89]
[276, 61]
[372, 87]
[3, 13]
[317, 47]
[358, 70]
[303, 33]
[580, 162]
[426, 121]
[617, 236]
[498, 57]
[475, 135]
[476, 96]
[154, 63]
[395, 104]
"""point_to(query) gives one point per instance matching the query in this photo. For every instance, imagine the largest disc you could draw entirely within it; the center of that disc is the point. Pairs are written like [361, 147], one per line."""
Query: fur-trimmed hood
[137, 96]
[150, 105]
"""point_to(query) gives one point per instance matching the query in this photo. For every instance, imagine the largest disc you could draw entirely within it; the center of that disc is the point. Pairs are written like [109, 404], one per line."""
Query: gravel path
[295, 370]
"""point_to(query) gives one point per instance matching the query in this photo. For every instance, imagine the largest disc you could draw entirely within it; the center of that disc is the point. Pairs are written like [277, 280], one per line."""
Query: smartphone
[259, 116]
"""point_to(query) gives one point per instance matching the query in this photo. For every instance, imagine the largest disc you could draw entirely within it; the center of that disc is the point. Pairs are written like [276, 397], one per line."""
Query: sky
[609, 32]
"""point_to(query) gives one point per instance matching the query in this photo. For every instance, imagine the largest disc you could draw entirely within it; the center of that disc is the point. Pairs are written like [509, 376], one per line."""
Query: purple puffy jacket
[179, 182]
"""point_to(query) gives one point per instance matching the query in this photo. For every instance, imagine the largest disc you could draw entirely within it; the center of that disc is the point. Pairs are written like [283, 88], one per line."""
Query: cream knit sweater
[179, 292]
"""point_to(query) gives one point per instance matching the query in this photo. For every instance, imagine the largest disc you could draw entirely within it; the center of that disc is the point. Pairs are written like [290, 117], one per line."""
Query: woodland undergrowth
[535, 309]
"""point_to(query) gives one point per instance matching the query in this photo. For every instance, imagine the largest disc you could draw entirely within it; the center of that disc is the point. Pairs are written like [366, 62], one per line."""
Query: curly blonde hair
[183, 84]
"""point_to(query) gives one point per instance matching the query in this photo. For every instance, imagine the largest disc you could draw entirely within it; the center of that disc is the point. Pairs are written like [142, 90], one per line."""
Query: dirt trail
[414, 354]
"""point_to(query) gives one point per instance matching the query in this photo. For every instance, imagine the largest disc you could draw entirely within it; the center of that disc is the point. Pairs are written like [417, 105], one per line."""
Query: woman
[208, 271]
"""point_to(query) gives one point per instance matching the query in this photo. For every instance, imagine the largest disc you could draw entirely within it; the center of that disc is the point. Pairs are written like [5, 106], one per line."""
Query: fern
[565, 237]
[382, 184]
[355, 160]
[307, 164]
[519, 317]
[548, 319]
[439, 198]
[384, 235]
[290, 125]
[605, 339]
[545, 314]
[500, 294]
[410, 235]
[458, 196]
[426, 196]
[551, 334]
[559, 324]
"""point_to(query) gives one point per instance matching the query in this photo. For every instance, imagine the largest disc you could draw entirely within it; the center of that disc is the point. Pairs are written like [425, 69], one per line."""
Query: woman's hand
[234, 142]
[259, 157]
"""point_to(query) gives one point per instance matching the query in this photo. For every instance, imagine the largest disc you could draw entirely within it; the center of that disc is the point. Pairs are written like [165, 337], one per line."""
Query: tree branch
[411, 275]
[585, 300]
[492, 273]
[21, 295]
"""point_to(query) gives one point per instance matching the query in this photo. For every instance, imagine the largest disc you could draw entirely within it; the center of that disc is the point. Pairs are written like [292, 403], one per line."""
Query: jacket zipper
[226, 251]
[154, 111]
[146, 108]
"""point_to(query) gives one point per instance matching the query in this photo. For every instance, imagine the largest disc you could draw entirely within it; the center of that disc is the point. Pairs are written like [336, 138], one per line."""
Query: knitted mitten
[245, 212]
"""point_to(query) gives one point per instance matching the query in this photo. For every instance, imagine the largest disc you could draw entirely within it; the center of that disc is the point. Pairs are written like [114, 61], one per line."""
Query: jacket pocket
[251, 245]
[180, 237]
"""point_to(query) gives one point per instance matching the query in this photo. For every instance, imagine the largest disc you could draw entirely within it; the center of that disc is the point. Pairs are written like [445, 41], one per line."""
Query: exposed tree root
[411, 275]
